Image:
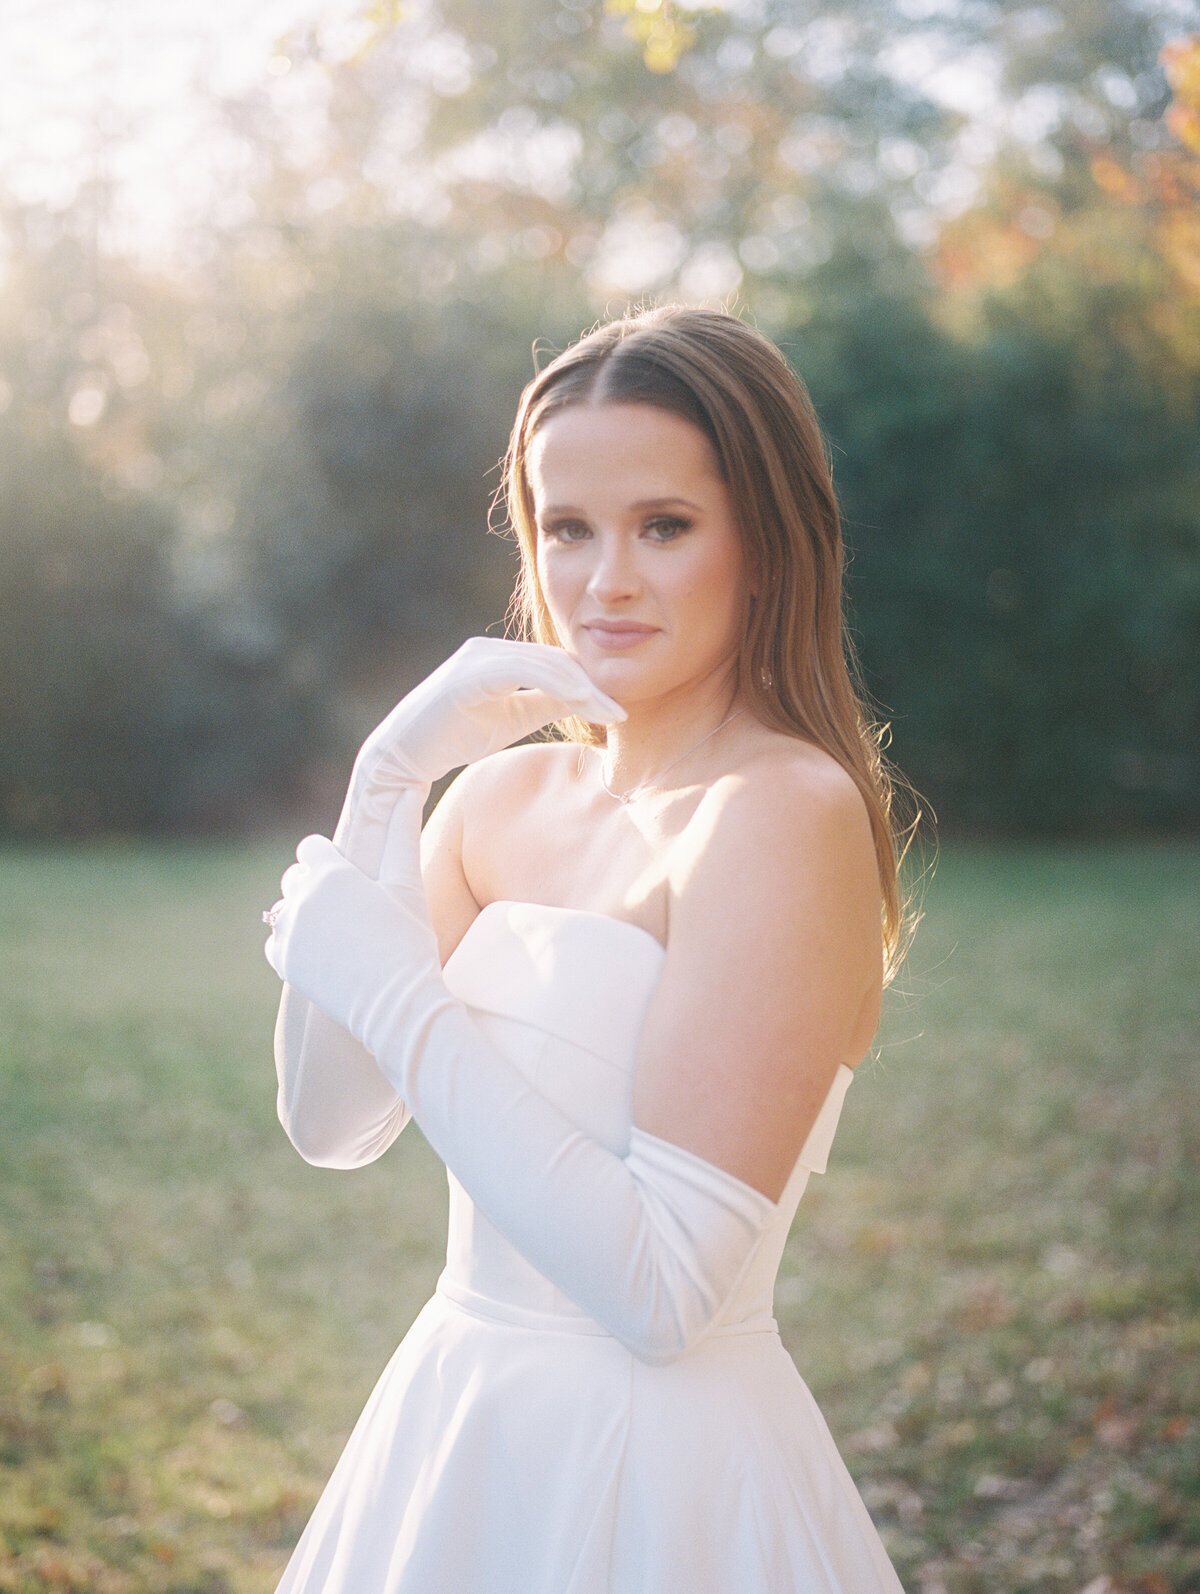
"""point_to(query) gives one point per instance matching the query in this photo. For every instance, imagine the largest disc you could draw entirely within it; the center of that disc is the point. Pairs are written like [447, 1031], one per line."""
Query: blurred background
[271, 282]
[269, 285]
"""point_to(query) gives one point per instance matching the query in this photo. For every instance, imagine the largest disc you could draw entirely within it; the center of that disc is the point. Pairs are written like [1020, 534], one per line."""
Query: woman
[664, 941]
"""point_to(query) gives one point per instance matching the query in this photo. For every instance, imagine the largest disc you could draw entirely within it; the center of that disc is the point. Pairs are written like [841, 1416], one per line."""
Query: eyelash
[675, 525]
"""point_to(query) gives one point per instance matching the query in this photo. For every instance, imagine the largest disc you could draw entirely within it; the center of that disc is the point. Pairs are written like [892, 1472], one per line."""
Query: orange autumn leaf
[1181, 62]
[1179, 240]
[1184, 123]
[1113, 178]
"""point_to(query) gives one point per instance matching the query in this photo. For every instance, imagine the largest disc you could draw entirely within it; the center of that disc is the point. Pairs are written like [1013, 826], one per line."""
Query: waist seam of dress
[511, 1315]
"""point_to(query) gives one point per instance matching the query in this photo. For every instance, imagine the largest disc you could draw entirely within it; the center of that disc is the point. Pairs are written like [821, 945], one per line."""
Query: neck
[660, 731]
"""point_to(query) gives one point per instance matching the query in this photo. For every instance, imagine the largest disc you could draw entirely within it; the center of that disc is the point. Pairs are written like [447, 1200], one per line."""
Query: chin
[621, 677]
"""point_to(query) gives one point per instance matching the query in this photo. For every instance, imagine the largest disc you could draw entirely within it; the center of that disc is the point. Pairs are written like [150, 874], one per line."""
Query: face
[639, 558]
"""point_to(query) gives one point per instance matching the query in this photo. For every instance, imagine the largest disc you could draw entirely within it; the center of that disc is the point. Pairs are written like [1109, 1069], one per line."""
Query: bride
[621, 983]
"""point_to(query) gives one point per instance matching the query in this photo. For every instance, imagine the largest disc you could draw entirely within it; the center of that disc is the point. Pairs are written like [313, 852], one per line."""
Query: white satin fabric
[512, 1446]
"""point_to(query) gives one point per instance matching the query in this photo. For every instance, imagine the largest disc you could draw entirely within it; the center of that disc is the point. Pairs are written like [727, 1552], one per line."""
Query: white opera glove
[650, 1245]
[338, 1109]
[487, 695]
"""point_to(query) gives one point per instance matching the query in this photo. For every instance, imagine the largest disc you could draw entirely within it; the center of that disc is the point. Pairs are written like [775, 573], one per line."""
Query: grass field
[993, 1293]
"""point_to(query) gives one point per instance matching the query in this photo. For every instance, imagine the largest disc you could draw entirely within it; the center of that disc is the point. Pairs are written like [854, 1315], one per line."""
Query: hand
[489, 694]
[338, 937]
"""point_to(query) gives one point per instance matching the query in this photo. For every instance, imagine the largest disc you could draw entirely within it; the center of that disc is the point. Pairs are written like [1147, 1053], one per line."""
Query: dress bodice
[563, 993]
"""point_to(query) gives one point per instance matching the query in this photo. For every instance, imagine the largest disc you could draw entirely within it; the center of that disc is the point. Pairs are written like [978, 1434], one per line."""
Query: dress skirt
[495, 1458]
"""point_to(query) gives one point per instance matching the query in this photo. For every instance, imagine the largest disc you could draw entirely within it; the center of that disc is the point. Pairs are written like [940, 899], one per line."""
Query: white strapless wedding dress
[512, 1446]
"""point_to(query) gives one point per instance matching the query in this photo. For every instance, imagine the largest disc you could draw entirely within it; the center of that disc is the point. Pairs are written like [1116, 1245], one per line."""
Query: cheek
[717, 584]
[544, 572]
[551, 580]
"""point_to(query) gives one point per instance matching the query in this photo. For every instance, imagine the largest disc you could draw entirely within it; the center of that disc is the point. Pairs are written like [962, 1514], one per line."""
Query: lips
[614, 635]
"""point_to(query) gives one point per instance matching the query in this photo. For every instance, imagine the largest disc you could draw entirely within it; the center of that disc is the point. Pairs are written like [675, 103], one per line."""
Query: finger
[598, 708]
[554, 672]
[500, 666]
[584, 698]
[529, 709]
[315, 851]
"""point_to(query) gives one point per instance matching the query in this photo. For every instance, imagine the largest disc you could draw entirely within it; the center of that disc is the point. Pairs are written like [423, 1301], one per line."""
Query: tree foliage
[244, 503]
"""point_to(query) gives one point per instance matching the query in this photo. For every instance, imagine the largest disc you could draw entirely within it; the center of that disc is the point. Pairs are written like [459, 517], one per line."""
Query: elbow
[658, 1340]
[324, 1143]
[659, 1353]
[666, 1308]
[318, 1156]
[317, 1150]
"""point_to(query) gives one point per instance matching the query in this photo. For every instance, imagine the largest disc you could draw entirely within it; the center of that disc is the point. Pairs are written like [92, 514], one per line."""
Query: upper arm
[474, 817]
[773, 970]
[452, 904]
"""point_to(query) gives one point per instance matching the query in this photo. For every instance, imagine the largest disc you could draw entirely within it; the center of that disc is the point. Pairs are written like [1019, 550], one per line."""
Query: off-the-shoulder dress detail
[512, 1446]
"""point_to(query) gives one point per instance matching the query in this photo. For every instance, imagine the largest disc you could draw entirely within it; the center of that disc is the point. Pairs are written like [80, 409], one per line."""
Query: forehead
[638, 448]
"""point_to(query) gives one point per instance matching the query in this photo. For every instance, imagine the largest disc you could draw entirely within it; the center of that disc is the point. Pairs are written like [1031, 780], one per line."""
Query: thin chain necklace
[648, 785]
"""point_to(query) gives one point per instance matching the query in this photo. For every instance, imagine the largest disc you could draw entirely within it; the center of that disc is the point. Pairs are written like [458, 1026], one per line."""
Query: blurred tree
[1023, 485]
[246, 503]
[1112, 214]
[548, 141]
[658, 27]
[740, 142]
[121, 704]
[1025, 559]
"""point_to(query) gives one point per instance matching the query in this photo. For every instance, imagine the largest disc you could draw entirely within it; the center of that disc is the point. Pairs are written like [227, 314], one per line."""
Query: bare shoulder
[494, 801]
[780, 857]
[471, 823]
[505, 781]
[789, 809]
[798, 780]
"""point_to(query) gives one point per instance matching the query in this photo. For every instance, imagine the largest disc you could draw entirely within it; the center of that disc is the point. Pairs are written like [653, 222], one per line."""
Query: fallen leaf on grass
[1153, 1583]
[227, 1413]
[1114, 1427]
[878, 1239]
[991, 1486]
[988, 1306]
[48, 1385]
[870, 1440]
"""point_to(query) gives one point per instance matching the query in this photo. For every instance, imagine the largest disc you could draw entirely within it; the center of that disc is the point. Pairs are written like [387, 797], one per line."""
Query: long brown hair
[797, 666]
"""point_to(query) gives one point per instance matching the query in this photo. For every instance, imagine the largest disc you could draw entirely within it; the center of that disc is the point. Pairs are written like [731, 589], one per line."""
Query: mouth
[612, 636]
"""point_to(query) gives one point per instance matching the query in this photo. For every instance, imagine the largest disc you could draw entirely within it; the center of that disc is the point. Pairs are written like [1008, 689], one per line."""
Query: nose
[614, 575]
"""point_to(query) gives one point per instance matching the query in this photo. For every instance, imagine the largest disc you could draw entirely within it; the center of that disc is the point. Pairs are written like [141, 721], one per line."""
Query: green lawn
[993, 1293]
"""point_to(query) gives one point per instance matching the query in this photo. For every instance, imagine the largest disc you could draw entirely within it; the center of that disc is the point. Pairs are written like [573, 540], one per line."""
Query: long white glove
[486, 696]
[650, 1245]
[338, 1108]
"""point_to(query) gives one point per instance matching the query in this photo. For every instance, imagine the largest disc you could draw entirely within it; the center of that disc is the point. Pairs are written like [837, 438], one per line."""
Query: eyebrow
[642, 505]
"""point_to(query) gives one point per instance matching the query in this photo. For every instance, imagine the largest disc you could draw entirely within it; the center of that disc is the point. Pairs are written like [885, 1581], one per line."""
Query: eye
[665, 528]
[565, 531]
